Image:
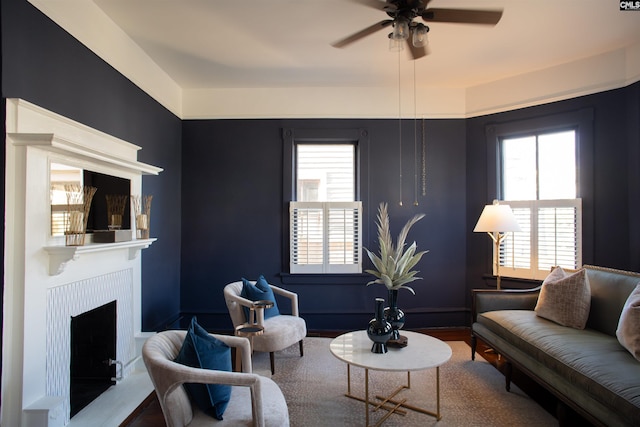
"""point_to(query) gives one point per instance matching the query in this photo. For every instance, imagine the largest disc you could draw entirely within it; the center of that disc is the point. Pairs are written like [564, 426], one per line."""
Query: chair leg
[301, 348]
[474, 342]
[272, 363]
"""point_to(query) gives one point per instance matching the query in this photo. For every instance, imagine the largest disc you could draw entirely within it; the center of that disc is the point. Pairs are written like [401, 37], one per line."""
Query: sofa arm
[484, 300]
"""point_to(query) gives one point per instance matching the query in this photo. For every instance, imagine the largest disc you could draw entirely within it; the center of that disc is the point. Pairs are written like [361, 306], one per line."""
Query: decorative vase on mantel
[379, 330]
[395, 317]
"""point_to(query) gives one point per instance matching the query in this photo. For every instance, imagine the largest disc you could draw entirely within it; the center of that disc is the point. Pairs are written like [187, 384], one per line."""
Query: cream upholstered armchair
[255, 400]
[280, 331]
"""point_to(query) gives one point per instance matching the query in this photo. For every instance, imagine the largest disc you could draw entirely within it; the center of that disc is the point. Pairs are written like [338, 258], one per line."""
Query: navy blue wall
[632, 121]
[44, 65]
[233, 210]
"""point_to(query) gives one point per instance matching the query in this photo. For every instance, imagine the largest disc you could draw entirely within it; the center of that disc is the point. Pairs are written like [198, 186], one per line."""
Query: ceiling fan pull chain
[424, 159]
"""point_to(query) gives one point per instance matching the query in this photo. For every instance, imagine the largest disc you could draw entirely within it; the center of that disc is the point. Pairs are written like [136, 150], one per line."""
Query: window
[538, 180]
[325, 172]
[539, 166]
[325, 213]
[325, 237]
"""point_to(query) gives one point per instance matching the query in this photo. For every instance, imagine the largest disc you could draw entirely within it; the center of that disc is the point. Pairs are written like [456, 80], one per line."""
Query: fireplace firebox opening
[93, 353]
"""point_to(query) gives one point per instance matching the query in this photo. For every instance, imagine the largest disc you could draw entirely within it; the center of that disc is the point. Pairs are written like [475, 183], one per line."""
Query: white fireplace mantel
[81, 149]
[59, 256]
[46, 282]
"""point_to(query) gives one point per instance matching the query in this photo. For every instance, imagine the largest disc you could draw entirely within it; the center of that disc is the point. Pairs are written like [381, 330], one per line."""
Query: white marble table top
[422, 352]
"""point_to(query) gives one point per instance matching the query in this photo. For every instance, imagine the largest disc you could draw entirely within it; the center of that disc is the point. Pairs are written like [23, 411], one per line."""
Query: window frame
[359, 137]
[582, 122]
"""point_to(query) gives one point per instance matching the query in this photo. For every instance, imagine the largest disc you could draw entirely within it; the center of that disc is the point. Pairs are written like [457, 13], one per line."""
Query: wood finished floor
[149, 413]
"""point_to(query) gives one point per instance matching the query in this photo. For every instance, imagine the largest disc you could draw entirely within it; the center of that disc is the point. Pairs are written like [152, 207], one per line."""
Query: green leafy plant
[393, 265]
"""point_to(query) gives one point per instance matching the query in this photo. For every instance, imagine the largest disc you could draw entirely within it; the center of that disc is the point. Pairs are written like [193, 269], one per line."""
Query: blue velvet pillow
[201, 350]
[257, 292]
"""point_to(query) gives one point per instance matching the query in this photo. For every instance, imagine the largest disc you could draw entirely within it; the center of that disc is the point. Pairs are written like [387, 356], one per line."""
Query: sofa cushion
[565, 298]
[586, 360]
[201, 350]
[610, 290]
[628, 331]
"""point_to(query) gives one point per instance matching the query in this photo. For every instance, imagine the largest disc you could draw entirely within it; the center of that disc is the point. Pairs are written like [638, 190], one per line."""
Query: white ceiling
[222, 45]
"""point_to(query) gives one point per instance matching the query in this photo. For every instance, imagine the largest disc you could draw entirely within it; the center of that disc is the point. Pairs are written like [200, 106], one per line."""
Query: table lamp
[494, 220]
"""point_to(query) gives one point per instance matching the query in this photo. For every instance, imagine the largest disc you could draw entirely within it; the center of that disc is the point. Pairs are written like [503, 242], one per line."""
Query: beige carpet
[472, 393]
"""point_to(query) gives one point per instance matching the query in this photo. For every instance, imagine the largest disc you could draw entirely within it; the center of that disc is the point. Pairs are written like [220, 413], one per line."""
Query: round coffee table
[423, 352]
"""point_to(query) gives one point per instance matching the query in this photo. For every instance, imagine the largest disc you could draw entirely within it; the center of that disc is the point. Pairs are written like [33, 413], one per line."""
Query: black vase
[379, 330]
[394, 315]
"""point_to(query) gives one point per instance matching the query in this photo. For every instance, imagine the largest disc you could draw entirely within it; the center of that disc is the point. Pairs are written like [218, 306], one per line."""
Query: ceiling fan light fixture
[400, 29]
[419, 37]
[401, 14]
[395, 45]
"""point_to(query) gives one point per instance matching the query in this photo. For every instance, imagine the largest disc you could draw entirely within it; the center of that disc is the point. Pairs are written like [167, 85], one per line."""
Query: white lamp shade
[497, 218]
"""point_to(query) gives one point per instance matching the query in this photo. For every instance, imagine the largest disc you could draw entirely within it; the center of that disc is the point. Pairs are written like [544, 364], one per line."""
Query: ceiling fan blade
[416, 52]
[462, 16]
[376, 4]
[363, 33]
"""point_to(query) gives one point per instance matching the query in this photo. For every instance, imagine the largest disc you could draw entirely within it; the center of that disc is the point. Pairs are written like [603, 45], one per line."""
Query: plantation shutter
[551, 235]
[325, 237]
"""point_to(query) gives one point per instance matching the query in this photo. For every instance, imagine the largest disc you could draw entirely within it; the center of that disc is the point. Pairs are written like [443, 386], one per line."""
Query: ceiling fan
[403, 13]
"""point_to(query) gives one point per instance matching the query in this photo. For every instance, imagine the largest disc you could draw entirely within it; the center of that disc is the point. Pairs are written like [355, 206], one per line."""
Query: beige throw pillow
[565, 298]
[628, 331]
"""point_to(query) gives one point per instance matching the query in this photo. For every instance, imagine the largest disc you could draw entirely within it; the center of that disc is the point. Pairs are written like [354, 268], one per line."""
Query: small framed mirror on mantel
[110, 208]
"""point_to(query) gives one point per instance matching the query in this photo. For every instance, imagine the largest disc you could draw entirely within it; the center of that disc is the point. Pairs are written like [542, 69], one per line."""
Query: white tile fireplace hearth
[46, 282]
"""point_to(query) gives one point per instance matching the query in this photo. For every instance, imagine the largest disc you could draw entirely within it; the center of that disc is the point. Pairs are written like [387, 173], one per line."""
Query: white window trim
[535, 272]
[295, 267]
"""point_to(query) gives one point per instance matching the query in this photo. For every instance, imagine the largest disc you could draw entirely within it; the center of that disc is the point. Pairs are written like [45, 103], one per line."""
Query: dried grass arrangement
[142, 209]
[115, 210]
[78, 205]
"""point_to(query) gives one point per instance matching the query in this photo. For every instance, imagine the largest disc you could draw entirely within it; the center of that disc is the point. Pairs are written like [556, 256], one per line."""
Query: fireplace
[47, 284]
[75, 300]
[93, 355]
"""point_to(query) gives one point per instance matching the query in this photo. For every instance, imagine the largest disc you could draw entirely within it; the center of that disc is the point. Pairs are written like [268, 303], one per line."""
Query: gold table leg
[396, 405]
[366, 393]
[436, 414]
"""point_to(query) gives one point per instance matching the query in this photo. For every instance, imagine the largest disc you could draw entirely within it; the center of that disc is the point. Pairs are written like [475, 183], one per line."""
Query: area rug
[472, 393]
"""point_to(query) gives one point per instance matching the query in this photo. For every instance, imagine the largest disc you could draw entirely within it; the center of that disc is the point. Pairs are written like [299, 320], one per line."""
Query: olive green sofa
[587, 370]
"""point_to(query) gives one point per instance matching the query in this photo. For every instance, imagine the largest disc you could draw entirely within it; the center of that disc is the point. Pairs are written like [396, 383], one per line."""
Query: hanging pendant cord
[415, 139]
[399, 130]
